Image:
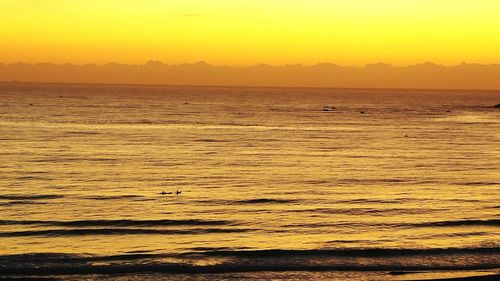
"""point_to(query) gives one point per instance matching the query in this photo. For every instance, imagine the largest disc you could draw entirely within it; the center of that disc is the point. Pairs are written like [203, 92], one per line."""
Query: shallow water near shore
[271, 183]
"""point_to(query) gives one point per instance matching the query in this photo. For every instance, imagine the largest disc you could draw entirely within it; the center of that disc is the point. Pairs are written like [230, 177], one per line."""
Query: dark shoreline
[218, 269]
[152, 275]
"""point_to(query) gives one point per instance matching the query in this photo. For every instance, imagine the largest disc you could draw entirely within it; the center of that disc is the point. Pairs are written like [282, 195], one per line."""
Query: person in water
[177, 192]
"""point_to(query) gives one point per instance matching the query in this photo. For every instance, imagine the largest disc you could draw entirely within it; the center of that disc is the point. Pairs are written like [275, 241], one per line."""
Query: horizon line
[249, 86]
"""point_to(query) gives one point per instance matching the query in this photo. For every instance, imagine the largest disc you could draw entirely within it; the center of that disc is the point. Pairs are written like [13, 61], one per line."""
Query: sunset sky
[247, 32]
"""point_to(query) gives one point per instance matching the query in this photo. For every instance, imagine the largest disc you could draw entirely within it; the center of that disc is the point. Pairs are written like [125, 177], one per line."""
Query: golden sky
[246, 32]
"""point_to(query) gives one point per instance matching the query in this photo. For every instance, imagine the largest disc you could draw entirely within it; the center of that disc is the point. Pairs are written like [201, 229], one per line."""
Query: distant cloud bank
[426, 75]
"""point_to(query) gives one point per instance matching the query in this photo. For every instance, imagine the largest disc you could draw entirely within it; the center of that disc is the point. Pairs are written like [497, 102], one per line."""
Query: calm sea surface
[270, 182]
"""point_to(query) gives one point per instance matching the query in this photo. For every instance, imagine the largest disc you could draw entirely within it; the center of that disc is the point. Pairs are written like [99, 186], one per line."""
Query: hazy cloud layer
[426, 75]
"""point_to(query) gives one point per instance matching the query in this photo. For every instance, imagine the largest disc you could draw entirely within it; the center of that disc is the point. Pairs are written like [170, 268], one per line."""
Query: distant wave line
[225, 268]
[30, 197]
[139, 125]
[453, 223]
[118, 231]
[252, 261]
[123, 222]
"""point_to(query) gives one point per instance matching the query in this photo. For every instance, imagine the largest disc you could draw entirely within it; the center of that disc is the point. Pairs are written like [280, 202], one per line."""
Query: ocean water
[273, 187]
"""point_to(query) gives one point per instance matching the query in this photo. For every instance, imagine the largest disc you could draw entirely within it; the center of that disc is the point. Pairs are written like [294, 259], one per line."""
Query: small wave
[30, 197]
[353, 252]
[363, 211]
[256, 201]
[254, 261]
[21, 202]
[451, 235]
[119, 197]
[210, 140]
[491, 222]
[315, 182]
[117, 231]
[26, 178]
[478, 183]
[119, 223]
[40, 257]
[82, 133]
[265, 201]
[211, 249]
[373, 181]
[356, 241]
[170, 268]
[226, 252]
[376, 201]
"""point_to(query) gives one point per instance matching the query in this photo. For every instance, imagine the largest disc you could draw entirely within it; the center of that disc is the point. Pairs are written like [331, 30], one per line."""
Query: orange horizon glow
[243, 32]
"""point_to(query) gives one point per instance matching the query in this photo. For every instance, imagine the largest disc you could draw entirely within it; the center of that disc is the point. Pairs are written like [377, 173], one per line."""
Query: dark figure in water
[163, 192]
[178, 192]
[497, 106]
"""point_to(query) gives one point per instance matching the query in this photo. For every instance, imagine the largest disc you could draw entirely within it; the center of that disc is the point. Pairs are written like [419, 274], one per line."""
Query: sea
[127, 182]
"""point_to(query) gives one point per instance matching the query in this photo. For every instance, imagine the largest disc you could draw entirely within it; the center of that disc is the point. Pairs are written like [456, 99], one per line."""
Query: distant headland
[379, 75]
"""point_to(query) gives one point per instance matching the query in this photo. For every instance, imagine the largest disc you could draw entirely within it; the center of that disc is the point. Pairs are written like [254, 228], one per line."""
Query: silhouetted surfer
[164, 193]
